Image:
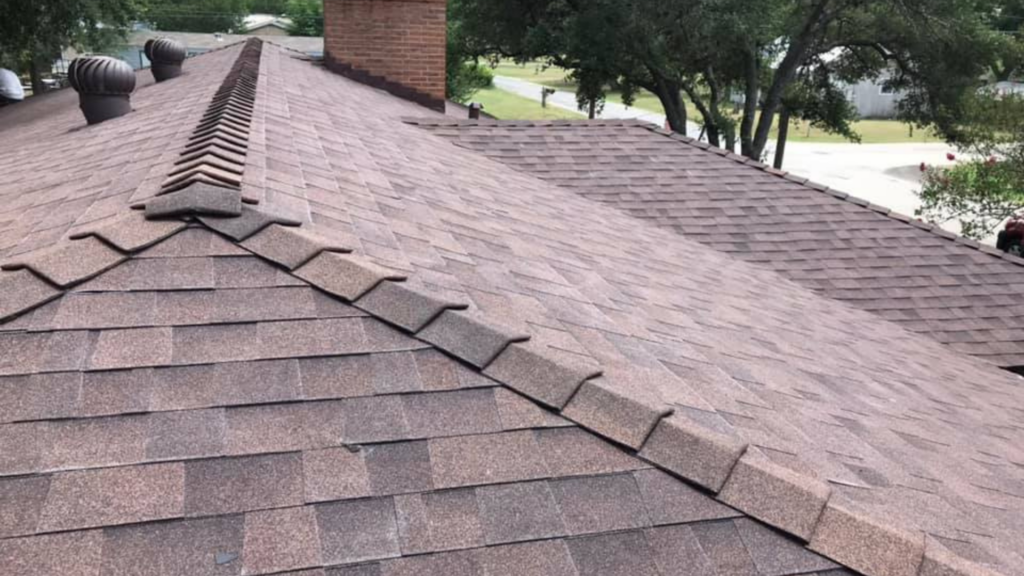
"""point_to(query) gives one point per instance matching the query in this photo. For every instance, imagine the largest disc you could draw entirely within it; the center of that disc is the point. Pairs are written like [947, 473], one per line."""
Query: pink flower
[991, 161]
[950, 156]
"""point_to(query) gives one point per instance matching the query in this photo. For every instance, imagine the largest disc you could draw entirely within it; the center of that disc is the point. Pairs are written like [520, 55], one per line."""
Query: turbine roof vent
[104, 86]
[165, 56]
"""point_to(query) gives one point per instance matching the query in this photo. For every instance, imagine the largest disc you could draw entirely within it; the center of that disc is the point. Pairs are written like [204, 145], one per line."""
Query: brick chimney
[397, 45]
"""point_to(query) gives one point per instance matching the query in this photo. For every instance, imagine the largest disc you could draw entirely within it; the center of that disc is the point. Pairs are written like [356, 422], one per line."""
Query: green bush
[980, 194]
[464, 79]
[307, 17]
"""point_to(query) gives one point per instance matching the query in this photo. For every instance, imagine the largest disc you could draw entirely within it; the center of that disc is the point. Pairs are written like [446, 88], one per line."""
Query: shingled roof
[926, 279]
[261, 325]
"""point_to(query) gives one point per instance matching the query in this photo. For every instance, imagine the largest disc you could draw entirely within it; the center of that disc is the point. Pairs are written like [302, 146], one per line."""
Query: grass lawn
[531, 71]
[871, 131]
[508, 106]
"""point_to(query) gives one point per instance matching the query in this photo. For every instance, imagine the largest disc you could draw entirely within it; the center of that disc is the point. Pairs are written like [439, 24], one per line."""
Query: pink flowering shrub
[980, 194]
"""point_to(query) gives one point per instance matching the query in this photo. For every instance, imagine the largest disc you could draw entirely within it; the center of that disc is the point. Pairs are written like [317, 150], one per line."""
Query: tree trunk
[785, 74]
[780, 145]
[668, 94]
[35, 76]
[593, 110]
[711, 127]
[750, 93]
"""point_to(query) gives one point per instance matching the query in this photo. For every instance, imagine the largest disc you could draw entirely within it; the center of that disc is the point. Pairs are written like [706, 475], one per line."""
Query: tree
[198, 15]
[1007, 18]
[276, 7]
[464, 73]
[708, 49]
[33, 33]
[307, 17]
[987, 187]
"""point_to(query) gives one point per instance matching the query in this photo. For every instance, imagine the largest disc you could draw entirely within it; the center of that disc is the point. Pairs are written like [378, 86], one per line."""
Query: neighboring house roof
[927, 280]
[196, 41]
[212, 386]
[257, 21]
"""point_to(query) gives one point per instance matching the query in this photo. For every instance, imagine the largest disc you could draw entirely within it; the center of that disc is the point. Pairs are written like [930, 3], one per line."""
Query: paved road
[567, 100]
[885, 174]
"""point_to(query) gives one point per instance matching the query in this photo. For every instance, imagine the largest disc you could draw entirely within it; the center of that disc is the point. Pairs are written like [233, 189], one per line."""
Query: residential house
[198, 43]
[266, 25]
[274, 320]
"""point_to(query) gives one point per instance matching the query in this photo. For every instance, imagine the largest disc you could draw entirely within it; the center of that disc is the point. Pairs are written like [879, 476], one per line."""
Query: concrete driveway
[885, 174]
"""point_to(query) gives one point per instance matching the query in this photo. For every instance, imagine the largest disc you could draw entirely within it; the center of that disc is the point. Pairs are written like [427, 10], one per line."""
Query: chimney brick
[397, 45]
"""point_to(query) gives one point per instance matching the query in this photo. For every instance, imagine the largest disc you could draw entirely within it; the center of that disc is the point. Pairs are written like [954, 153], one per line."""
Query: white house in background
[873, 98]
[266, 25]
[198, 42]
[1006, 88]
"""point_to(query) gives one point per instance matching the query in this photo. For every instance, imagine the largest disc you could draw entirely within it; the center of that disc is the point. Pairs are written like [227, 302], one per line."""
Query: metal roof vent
[165, 57]
[104, 87]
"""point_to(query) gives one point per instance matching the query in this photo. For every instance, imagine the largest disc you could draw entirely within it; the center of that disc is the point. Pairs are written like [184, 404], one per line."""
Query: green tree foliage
[987, 186]
[276, 7]
[463, 79]
[935, 50]
[198, 15]
[307, 17]
[464, 73]
[1007, 18]
[33, 32]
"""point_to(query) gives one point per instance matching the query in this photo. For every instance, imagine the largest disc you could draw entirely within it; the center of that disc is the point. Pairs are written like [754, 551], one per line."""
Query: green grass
[871, 131]
[532, 72]
[508, 106]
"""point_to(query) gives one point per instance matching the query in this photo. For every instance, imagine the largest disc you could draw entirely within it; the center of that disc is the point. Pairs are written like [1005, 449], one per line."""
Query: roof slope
[197, 411]
[817, 418]
[60, 174]
[919, 276]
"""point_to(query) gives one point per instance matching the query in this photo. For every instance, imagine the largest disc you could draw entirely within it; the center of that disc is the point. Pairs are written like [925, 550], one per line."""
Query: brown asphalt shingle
[907, 272]
[302, 433]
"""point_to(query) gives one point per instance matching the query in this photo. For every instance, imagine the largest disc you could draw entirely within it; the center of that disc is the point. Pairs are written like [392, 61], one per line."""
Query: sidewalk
[567, 100]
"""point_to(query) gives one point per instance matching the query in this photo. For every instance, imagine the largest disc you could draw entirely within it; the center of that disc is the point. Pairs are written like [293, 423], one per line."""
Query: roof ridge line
[838, 194]
[485, 122]
[205, 182]
[798, 504]
[215, 152]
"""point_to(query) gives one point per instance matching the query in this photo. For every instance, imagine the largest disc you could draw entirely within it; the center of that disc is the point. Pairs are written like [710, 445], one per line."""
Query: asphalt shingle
[226, 485]
[437, 521]
[518, 512]
[112, 496]
[600, 503]
[71, 554]
[280, 540]
[358, 530]
[459, 412]
[334, 474]
[208, 546]
[398, 468]
[485, 459]
[619, 554]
